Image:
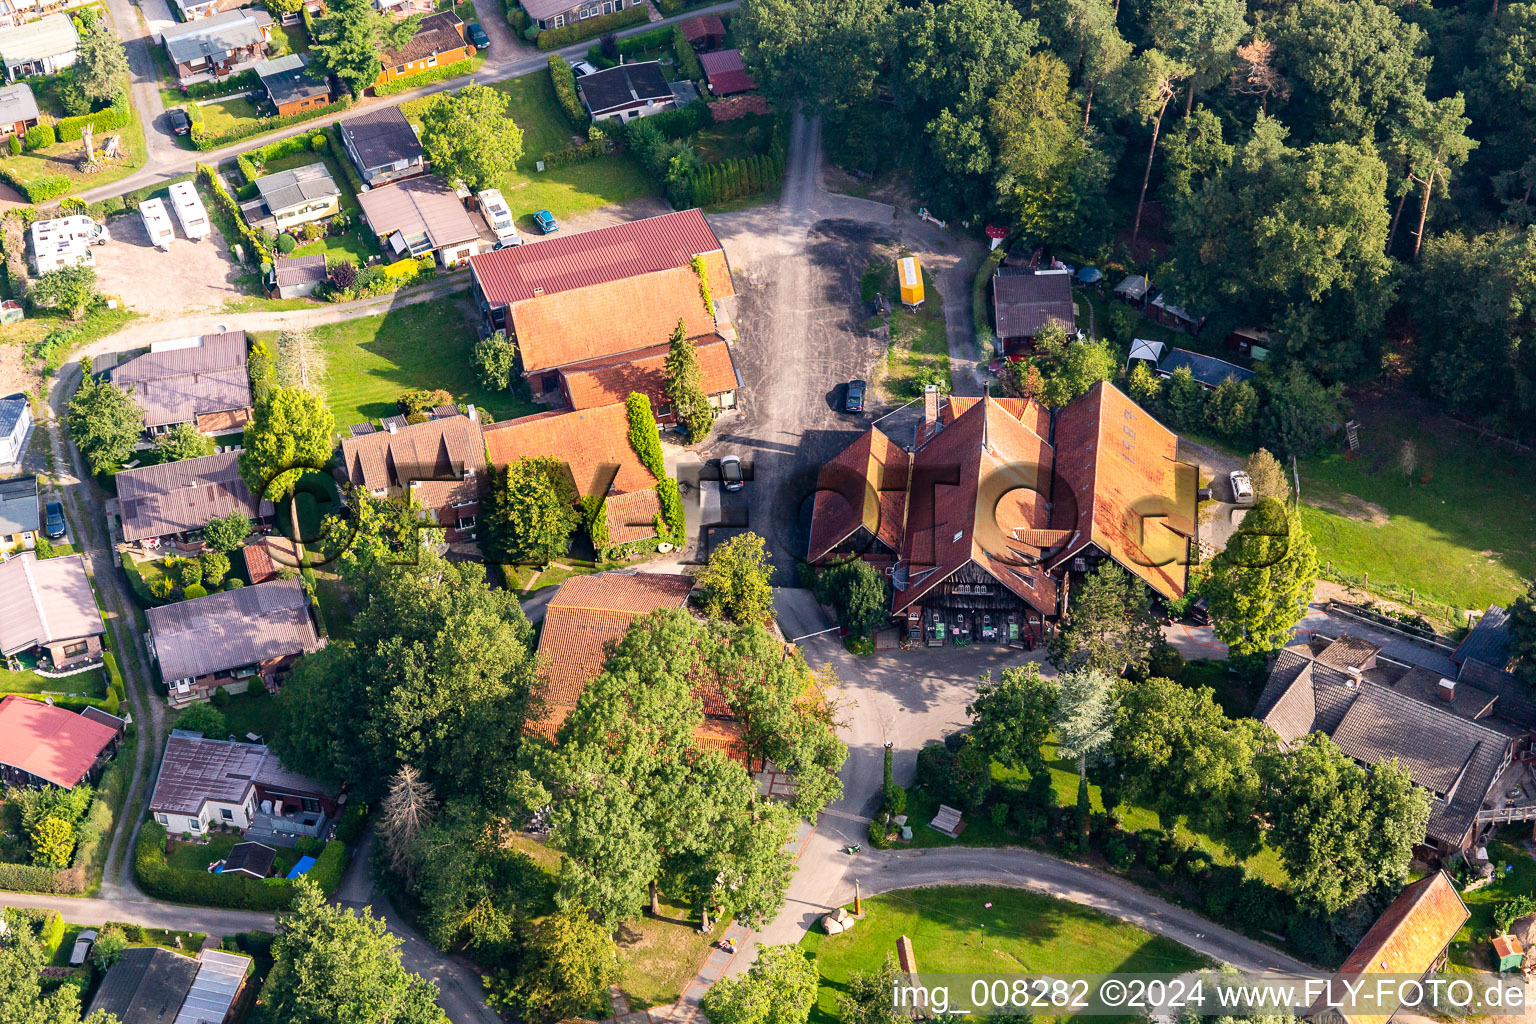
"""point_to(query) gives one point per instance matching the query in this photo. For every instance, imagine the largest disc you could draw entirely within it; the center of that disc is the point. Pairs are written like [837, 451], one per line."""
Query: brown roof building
[726, 73]
[204, 780]
[439, 41]
[982, 522]
[47, 605]
[704, 33]
[594, 444]
[439, 464]
[1025, 301]
[421, 216]
[230, 637]
[205, 384]
[183, 497]
[590, 613]
[1410, 938]
[603, 295]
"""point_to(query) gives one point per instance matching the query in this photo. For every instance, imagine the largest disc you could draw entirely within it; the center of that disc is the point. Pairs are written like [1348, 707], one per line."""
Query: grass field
[1471, 947]
[64, 158]
[977, 929]
[919, 349]
[372, 360]
[225, 114]
[86, 684]
[253, 711]
[1459, 532]
[567, 190]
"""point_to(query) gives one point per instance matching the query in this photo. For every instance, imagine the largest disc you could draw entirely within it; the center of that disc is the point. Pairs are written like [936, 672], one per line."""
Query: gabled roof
[1407, 939]
[1488, 641]
[864, 486]
[703, 27]
[220, 976]
[174, 497]
[216, 36]
[726, 72]
[437, 33]
[628, 315]
[296, 185]
[440, 449]
[196, 770]
[12, 407]
[627, 85]
[1120, 464]
[419, 206]
[147, 985]
[586, 613]
[50, 742]
[289, 79]
[593, 443]
[1027, 300]
[231, 629]
[610, 380]
[48, 36]
[382, 136]
[254, 859]
[18, 506]
[44, 601]
[587, 258]
[1208, 370]
[179, 385]
[17, 103]
[299, 269]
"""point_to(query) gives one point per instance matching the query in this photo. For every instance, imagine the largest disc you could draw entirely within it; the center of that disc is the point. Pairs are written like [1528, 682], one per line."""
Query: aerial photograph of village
[767, 511]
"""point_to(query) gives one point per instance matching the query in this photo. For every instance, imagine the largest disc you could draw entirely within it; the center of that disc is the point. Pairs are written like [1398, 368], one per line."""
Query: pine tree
[754, 176]
[685, 386]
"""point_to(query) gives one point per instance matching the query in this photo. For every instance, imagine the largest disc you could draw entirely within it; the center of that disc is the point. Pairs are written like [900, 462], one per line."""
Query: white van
[158, 223]
[498, 216]
[189, 211]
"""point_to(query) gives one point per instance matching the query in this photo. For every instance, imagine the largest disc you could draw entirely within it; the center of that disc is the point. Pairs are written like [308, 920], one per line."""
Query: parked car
[581, 67]
[730, 473]
[83, 943]
[54, 520]
[1200, 612]
[181, 124]
[1242, 487]
[478, 36]
[853, 401]
[546, 222]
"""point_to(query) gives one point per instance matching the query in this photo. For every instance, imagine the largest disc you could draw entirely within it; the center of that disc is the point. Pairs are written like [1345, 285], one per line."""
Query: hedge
[38, 190]
[644, 439]
[682, 121]
[350, 828]
[670, 522]
[629, 46]
[204, 141]
[554, 38]
[109, 703]
[40, 135]
[231, 209]
[581, 154]
[157, 878]
[735, 179]
[116, 116]
[345, 161]
[30, 878]
[687, 59]
[245, 81]
[416, 81]
[564, 80]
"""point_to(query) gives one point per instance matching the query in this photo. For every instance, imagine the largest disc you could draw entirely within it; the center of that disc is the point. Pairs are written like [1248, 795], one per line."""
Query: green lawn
[661, 955]
[197, 856]
[976, 929]
[227, 113]
[919, 343]
[1471, 947]
[86, 684]
[372, 360]
[568, 190]
[316, 497]
[734, 140]
[294, 39]
[253, 711]
[64, 158]
[1460, 533]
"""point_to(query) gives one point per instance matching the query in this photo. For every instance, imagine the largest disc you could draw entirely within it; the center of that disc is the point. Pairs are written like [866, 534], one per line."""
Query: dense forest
[1354, 175]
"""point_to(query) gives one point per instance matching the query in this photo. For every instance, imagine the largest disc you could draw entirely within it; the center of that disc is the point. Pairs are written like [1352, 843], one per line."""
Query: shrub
[1118, 851]
[416, 81]
[877, 835]
[116, 116]
[1196, 864]
[40, 189]
[1152, 841]
[286, 244]
[14, 145]
[40, 135]
[308, 846]
[353, 819]
[319, 143]
[195, 590]
[644, 440]
[555, 38]
[531, 33]
[564, 81]
[581, 154]
[186, 571]
[682, 121]
[342, 274]
[687, 60]
[934, 765]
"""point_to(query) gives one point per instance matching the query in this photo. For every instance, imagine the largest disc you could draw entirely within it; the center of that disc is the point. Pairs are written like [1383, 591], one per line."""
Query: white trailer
[58, 253]
[498, 216]
[158, 223]
[190, 213]
[79, 228]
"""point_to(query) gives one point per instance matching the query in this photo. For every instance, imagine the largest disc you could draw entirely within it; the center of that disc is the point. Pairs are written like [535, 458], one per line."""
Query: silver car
[1242, 487]
[83, 943]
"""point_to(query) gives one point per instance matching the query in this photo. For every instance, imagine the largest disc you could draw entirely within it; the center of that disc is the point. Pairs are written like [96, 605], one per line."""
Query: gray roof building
[628, 85]
[147, 985]
[178, 385]
[381, 137]
[214, 38]
[18, 506]
[1026, 301]
[1488, 642]
[415, 209]
[44, 601]
[196, 770]
[1208, 370]
[296, 185]
[232, 629]
[254, 859]
[52, 35]
[17, 104]
[220, 976]
[288, 79]
[179, 497]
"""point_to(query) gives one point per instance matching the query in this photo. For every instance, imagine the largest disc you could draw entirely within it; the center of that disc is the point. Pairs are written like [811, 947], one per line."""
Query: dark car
[1200, 613]
[181, 124]
[853, 401]
[54, 520]
[477, 36]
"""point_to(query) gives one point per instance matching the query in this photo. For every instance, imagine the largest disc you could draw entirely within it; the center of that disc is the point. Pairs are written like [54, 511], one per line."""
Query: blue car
[546, 222]
[54, 520]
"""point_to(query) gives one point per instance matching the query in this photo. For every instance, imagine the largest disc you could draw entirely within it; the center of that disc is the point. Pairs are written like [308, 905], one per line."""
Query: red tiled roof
[865, 485]
[611, 380]
[258, 563]
[733, 107]
[49, 742]
[1407, 939]
[592, 442]
[695, 29]
[1120, 465]
[586, 613]
[615, 317]
[588, 258]
[726, 73]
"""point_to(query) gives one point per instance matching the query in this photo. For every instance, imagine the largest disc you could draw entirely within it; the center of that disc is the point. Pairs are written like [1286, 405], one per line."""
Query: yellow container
[911, 277]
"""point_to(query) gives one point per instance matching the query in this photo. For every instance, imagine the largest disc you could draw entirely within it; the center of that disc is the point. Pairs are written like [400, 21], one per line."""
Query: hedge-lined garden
[201, 888]
[203, 140]
[421, 78]
[591, 28]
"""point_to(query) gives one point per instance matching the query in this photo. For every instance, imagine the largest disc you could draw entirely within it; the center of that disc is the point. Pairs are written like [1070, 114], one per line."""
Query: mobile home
[58, 253]
[189, 211]
[77, 228]
[911, 277]
[498, 216]
[158, 223]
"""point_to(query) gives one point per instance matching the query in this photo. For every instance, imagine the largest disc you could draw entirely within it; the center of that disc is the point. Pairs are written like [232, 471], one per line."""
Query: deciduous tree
[206, 719]
[1200, 34]
[735, 582]
[71, 288]
[779, 988]
[470, 136]
[1109, 623]
[858, 594]
[1522, 636]
[289, 435]
[1012, 718]
[104, 422]
[22, 1000]
[532, 511]
[496, 361]
[227, 533]
[1150, 81]
[1260, 584]
[824, 55]
[573, 963]
[183, 442]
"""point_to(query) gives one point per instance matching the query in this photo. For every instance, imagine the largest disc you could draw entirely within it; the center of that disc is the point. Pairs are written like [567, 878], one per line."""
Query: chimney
[930, 405]
[392, 428]
[1355, 676]
[537, 291]
[1446, 690]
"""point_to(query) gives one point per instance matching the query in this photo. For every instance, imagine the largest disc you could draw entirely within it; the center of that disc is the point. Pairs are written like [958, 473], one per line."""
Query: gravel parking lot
[192, 276]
